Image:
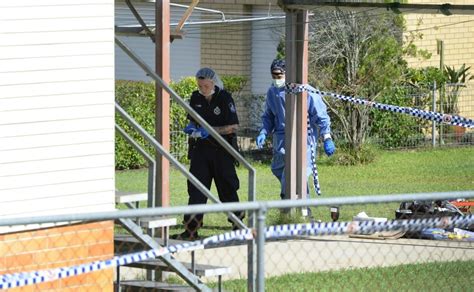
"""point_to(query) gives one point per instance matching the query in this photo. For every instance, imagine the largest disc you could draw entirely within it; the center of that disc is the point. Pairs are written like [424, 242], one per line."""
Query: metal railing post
[261, 249]
[433, 123]
[251, 245]
[442, 91]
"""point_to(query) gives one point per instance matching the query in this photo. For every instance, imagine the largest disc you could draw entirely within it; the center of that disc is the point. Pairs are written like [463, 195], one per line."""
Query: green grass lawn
[395, 172]
[449, 276]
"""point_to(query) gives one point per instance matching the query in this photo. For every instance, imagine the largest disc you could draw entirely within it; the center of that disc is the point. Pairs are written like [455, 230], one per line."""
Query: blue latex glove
[329, 147]
[200, 133]
[261, 140]
[190, 128]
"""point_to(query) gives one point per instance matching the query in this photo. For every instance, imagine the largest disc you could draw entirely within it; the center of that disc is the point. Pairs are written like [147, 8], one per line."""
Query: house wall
[238, 48]
[56, 125]
[56, 107]
[247, 48]
[241, 48]
[266, 36]
[184, 53]
[457, 33]
[228, 50]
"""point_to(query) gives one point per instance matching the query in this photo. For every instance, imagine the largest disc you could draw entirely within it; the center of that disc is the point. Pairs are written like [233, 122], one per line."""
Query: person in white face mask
[273, 121]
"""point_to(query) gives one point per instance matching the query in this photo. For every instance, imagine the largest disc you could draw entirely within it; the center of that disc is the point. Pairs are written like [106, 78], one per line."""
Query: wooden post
[296, 107]
[186, 15]
[162, 124]
[301, 101]
[290, 107]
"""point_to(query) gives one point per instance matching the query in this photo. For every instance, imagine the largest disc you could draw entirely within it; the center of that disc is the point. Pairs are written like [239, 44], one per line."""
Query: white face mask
[278, 83]
[211, 93]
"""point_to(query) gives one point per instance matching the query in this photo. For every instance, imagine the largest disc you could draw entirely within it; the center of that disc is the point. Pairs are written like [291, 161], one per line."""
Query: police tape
[273, 232]
[8, 281]
[28, 278]
[294, 88]
[314, 166]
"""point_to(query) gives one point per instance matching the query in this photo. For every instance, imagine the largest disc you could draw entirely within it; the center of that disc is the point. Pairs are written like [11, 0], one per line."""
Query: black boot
[186, 235]
[284, 210]
[191, 225]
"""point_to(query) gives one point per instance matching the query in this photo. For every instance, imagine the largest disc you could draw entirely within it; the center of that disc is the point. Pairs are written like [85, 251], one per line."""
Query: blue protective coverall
[273, 120]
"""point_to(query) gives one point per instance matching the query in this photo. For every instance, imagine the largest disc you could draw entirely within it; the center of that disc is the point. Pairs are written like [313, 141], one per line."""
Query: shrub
[178, 118]
[393, 129]
[234, 83]
[138, 100]
[346, 155]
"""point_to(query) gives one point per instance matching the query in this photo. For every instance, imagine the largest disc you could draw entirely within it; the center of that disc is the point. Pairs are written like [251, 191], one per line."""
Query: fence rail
[309, 246]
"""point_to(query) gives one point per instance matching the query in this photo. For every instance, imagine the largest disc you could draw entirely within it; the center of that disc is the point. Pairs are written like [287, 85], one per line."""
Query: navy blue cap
[278, 64]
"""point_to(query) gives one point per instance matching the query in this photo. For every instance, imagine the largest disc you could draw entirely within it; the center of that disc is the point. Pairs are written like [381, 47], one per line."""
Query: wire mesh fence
[388, 130]
[40, 258]
[409, 242]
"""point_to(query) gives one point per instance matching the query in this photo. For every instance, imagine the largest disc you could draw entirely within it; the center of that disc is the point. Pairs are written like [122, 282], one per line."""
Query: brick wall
[457, 34]
[227, 47]
[60, 247]
[230, 52]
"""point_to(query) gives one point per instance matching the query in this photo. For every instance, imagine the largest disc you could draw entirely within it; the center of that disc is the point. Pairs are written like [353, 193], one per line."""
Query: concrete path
[315, 254]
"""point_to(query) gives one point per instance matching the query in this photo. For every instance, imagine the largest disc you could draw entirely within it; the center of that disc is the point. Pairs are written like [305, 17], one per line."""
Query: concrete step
[199, 269]
[157, 222]
[142, 285]
[130, 197]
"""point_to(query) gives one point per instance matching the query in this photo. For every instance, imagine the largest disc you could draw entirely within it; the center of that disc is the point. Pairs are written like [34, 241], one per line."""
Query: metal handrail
[151, 165]
[158, 147]
[136, 231]
[251, 171]
[195, 116]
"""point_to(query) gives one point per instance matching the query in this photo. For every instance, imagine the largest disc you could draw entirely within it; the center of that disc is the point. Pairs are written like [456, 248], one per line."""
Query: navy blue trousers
[211, 162]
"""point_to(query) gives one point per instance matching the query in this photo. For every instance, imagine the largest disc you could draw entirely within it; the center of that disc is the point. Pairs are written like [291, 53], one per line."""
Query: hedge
[137, 98]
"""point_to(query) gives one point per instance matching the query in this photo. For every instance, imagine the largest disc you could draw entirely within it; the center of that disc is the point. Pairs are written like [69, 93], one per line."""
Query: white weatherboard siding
[56, 107]
[184, 53]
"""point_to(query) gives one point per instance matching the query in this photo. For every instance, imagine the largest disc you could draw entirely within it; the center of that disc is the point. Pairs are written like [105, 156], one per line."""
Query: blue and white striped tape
[273, 232]
[294, 88]
[314, 167]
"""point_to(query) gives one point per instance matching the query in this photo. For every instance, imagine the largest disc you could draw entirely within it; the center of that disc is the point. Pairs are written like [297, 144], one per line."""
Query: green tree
[357, 54]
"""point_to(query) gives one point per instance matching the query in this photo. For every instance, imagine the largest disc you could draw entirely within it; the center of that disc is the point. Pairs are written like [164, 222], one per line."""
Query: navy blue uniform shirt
[220, 111]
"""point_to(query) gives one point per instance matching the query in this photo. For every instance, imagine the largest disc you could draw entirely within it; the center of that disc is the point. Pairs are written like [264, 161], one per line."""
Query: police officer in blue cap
[209, 160]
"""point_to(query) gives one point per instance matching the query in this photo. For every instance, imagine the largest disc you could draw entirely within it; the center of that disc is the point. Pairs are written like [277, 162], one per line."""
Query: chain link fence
[387, 130]
[403, 242]
[457, 99]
